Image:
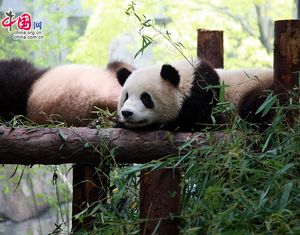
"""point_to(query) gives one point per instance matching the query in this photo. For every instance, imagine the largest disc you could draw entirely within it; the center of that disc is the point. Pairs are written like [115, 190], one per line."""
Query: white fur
[71, 92]
[167, 98]
[238, 82]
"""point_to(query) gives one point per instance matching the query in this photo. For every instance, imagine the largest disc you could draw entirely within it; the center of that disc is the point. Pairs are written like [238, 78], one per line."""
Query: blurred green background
[95, 32]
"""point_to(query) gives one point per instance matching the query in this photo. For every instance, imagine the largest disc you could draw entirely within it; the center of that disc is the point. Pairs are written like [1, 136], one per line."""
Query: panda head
[149, 95]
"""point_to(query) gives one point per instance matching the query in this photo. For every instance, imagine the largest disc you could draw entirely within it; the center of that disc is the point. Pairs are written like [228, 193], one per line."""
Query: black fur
[196, 110]
[147, 100]
[116, 65]
[169, 73]
[16, 79]
[251, 102]
[122, 75]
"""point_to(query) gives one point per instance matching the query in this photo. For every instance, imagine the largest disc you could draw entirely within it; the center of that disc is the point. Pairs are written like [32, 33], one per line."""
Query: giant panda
[177, 96]
[70, 92]
[181, 95]
[247, 89]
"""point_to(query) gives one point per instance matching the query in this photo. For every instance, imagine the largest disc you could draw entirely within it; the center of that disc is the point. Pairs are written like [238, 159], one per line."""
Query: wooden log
[83, 145]
[286, 54]
[160, 197]
[210, 47]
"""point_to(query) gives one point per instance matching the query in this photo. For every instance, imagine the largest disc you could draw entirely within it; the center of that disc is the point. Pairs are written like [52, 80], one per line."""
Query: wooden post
[210, 47]
[298, 9]
[158, 187]
[287, 61]
[286, 54]
[89, 186]
[160, 197]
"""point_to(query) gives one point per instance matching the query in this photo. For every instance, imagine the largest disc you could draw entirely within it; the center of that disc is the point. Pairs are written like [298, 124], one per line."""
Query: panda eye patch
[126, 96]
[147, 100]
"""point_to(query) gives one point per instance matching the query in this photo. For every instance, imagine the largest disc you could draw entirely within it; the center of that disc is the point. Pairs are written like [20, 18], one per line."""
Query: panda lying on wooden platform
[182, 95]
[70, 92]
[176, 96]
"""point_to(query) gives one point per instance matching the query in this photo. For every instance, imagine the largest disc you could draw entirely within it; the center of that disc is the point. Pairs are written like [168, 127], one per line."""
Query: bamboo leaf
[263, 198]
[285, 195]
[267, 105]
[267, 142]
[222, 92]
[284, 169]
[62, 135]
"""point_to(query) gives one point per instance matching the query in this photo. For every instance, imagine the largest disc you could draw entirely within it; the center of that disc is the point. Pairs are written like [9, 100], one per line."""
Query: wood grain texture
[90, 146]
[160, 197]
[210, 47]
[286, 54]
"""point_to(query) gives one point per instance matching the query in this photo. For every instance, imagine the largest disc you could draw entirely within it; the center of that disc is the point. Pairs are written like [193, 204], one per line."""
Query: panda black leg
[250, 104]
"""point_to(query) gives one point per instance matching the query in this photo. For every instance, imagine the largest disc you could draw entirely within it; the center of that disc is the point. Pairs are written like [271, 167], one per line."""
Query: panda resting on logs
[181, 95]
[176, 96]
[66, 93]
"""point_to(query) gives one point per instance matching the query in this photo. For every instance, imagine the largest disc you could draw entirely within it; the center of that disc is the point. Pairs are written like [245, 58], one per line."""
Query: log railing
[79, 145]
[82, 145]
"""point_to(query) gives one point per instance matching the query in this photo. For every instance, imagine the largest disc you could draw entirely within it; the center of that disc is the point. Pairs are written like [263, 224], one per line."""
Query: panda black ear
[169, 73]
[122, 75]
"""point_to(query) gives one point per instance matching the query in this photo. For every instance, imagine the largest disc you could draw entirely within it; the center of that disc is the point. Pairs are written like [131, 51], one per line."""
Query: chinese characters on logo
[27, 29]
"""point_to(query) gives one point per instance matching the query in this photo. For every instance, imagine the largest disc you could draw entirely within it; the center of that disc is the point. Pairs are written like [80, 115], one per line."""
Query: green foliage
[267, 105]
[106, 22]
[240, 23]
[245, 45]
[239, 187]
[58, 38]
[245, 183]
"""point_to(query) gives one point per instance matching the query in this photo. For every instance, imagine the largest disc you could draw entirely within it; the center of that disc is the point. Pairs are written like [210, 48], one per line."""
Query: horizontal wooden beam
[88, 146]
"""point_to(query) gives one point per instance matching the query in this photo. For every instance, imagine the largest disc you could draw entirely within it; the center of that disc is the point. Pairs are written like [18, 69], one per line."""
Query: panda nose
[127, 114]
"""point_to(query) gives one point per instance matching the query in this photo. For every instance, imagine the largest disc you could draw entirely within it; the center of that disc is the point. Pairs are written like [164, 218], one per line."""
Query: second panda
[66, 93]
